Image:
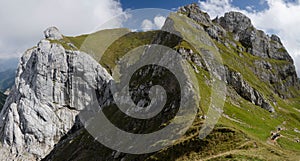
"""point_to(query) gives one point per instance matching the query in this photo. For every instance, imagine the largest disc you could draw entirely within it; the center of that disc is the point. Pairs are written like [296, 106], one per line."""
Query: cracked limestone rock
[44, 101]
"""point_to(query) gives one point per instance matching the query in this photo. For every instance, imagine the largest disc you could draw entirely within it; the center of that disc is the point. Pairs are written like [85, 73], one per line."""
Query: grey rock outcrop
[53, 33]
[280, 77]
[236, 27]
[43, 103]
[256, 41]
[194, 12]
[235, 22]
[236, 80]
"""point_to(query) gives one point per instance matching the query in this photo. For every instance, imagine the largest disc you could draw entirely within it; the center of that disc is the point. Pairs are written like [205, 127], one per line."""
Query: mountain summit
[261, 115]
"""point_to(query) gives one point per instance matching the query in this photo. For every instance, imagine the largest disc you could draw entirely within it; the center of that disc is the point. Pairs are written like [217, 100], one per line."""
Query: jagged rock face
[280, 77]
[235, 22]
[194, 12]
[42, 105]
[255, 42]
[259, 44]
[235, 79]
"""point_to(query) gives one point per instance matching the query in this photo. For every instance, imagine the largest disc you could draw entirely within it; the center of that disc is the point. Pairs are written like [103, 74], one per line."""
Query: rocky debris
[52, 33]
[275, 136]
[43, 103]
[216, 32]
[236, 80]
[7, 92]
[189, 55]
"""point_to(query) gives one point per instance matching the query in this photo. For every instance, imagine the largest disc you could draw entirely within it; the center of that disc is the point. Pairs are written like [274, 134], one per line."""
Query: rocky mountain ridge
[246, 38]
[39, 116]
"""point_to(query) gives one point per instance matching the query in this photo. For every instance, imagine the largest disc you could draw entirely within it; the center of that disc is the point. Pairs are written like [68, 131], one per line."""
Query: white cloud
[22, 22]
[297, 62]
[281, 18]
[147, 25]
[157, 23]
[217, 7]
[250, 8]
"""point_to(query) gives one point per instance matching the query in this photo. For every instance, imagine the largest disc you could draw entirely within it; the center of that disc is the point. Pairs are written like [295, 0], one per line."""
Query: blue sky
[170, 4]
[165, 4]
[257, 4]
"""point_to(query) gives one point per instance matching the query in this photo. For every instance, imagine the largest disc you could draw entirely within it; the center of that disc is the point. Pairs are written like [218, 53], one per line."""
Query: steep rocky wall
[42, 105]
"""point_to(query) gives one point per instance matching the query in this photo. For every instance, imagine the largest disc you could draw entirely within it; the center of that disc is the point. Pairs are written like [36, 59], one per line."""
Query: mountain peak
[53, 33]
[235, 22]
[194, 12]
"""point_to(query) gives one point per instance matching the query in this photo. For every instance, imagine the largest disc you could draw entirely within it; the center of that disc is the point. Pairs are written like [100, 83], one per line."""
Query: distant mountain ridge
[7, 79]
[6, 64]
[8, 69]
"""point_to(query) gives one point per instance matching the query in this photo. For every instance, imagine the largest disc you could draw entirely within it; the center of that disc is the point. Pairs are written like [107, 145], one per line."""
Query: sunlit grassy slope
[243, 131]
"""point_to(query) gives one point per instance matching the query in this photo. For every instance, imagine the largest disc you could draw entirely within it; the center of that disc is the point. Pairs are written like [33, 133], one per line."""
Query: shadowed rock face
[2, 100]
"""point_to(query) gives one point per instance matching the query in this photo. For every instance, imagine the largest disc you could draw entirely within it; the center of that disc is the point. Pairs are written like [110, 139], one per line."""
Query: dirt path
[221, 154]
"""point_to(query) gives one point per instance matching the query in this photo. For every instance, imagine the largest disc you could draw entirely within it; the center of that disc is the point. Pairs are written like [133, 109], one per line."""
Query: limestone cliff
[42, 105]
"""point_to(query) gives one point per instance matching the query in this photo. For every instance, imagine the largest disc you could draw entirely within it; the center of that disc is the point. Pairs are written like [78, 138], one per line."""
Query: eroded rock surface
[43, 103]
